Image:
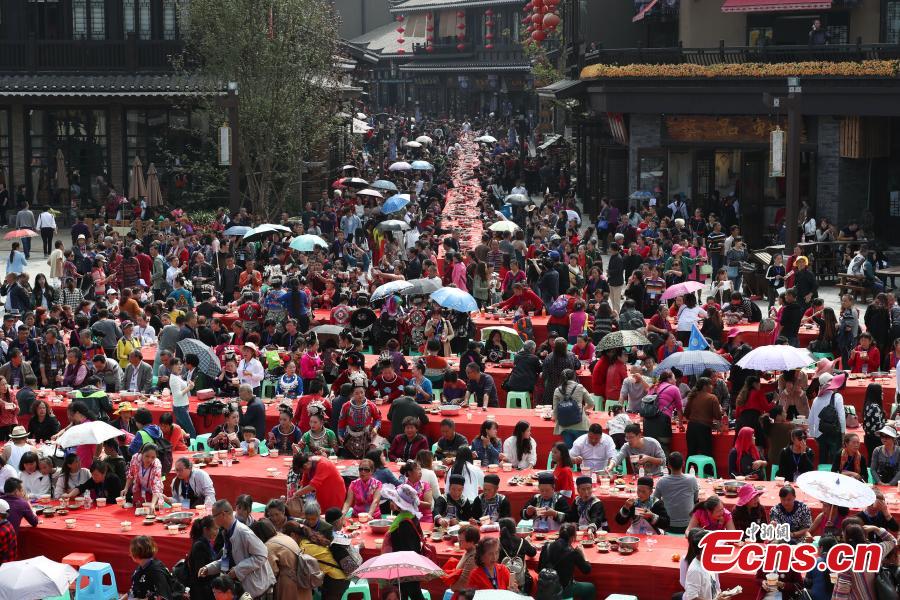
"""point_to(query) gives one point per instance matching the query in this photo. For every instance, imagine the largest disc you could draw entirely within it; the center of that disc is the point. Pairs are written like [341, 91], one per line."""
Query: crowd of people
[257, 304]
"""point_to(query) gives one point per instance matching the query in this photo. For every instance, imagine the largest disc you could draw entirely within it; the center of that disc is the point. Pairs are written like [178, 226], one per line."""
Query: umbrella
[393, 225]
[308, 242]
[400, 166]
[641, 195]
[776, 358]
[137, 188]
[361, 116]
[504, 225]
[420, 287]
[836, 489]
[384, 184]
[62, 179]
[455, 299]
[264, 230]
[413, 144]
[237, 230]
[573, 216]
[395, 203]
[348, 167]
[92, 432]
[680, 289]
[622, 339]
[154, 194]
[388, 289]
[486, 139]
[509, 335]
[209, 362]
[399, 567]
[422, 165]
[693, 362]
[354, 182]
[37, 577]
[424, 139]
[373, 193]
[20, 233]
[326, 332]
[517, 199]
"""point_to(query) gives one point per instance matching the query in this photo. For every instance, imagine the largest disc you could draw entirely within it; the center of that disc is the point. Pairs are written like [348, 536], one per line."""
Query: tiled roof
[108, 85]
[465, 67]
[411, 5]
[383, 40]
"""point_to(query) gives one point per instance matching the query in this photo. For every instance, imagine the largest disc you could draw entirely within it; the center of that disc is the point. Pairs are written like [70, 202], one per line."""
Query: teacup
[379, 543]
[70, 523]
[125, 525]
[120, 500]
[101, 502]
[363, 517]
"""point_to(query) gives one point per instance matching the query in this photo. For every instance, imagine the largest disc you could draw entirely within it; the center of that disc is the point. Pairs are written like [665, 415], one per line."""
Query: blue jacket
[138, 442]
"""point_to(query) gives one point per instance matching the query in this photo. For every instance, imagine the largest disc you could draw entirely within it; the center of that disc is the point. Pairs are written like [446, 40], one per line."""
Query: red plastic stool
[76, 560]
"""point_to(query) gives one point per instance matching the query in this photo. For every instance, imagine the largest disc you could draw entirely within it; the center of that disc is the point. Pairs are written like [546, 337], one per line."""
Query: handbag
[706, 269]
[516, 566]
[886, 583]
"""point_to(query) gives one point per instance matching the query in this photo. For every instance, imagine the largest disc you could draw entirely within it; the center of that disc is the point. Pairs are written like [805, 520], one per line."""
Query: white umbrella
[348, 167]
[487, 139]
[92, 432]
[501, 226]
[776, 358]
[37, 577]
[400, 166]
[374, 193]
[390, 288]
[836, 489]
[362, 116]
[496, 595]
[413, 144]
[573, 216]
[424, 139]
[393, 225]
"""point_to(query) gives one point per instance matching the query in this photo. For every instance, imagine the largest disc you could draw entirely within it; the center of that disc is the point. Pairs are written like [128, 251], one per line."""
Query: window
[5, 157]
[170, 19]
[892, 22]
[652, 173]
[89, 19]
[136, 16]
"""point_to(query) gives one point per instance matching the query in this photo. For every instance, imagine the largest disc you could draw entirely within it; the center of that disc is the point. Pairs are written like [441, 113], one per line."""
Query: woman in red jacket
[489, 573]
[865, 358]
[615, 375]
[524, 297]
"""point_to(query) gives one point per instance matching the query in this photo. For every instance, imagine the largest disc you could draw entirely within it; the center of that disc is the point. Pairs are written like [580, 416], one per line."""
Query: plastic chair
[434, 447]
[824, 468]
[95, 573]
[258, 507]
[268, 388]
[550, 464]
[518, 399]
[358, 586]
[426, 594]
[871, 476]
[77, 560]
[774, 473]
[701, 461]
[610, 403]
[436, 394]
[448, 594]
[60, 597]
[598, 401]
[201, 442]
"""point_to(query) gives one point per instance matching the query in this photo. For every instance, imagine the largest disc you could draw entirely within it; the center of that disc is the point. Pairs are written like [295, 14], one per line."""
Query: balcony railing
[88, 55]
[743, 54]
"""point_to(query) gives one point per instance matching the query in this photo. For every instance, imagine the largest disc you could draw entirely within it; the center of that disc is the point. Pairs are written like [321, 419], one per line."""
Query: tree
[280, 54]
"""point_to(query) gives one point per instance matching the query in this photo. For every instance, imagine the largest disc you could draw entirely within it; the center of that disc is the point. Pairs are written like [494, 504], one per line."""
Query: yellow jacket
[326, 560]
[126, 347]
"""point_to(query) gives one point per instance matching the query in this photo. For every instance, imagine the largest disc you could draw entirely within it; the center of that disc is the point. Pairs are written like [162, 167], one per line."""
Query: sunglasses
[366, 469]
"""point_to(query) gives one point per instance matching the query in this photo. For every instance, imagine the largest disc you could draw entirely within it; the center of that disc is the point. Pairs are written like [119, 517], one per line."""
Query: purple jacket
[19, 509]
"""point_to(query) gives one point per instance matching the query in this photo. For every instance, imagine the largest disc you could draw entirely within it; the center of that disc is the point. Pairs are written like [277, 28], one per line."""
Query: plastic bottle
[208, 504]
[87, 500]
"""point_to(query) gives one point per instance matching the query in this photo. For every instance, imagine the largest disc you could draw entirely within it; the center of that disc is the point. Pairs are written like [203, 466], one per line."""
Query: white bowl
[70, 523]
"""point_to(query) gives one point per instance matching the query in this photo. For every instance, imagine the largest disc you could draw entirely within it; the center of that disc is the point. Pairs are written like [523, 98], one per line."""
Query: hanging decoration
[489, 29]
[429, 32]
[460, 30]
[400, 31]
[541, 17]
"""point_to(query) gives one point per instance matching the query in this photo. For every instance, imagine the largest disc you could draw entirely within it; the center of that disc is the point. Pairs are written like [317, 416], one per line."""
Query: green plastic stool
[598, 401]
[550, 464]
[201, 442]
[60, 597]
[426, 594]
[358, 586]
[434, 447]
[824, 468]
[518, 399]
[258, 507]
[436, 394]
[701, 461]
[268, 388]
[774, 473]
[610, 403]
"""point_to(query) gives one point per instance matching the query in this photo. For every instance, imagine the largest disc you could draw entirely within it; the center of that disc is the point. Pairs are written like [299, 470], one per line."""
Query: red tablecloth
[539, 324]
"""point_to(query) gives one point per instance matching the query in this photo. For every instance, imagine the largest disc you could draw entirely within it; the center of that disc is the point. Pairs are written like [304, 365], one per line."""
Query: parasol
[92, 432]
[622, 339]
[263, 230]
[137, 188]
[384, 184]
[37, 577]
[641, 195]
[15, 234]
[517, 199]
[693, 362]
[399, 567]
[354, 182]
[400, 166]
[326, 332]
[392, 225]
[154, 194]
[513, 341]
[208, 361]
[424, 139]
[571, 215]
[236, 230]
[370, 192]
[307, 242]
[348, 167]
[836, 489]
[486, 139]
[395, 203]
[390, 288]
[422, 165]
[421, 286]
[680, 289]
[776, 358]
[455, 299]
[501, 226]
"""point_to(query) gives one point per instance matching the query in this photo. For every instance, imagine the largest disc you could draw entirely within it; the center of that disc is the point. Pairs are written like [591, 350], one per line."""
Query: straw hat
[18, 433]
[124, 407]
[823, 366]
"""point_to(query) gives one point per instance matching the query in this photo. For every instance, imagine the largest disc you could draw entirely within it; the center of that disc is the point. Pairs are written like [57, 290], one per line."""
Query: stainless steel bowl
[629, 542]
[379, 525]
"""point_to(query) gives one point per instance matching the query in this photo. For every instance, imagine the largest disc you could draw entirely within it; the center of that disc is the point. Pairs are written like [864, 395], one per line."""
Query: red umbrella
[337, 183]
[16, 234]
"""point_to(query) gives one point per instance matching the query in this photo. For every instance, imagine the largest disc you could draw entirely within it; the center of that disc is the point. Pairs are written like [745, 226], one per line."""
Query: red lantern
[545, 9]
[551, 20]
[429, 48]
[528, 7]
[537, 26]
[489, 12]
[401, 51]
[538, 36]
[488, 46]
[429, 38]
[399, 18]
[400, 30]
[526, 20]
[460, 14]
[429, 28]
[537, 3]
[461, 26]
[400, 40]
[460, 36]
[536, 18]
[489, 24]
[460, 47]
[489, 36]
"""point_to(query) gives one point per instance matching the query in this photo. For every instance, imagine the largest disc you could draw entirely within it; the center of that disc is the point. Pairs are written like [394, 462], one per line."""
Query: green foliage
[280, 54]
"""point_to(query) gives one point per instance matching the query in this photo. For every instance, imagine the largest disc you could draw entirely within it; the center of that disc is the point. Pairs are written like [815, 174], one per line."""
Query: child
[289, 385]
[617, 424]
[114, 460]
[173, 432]
[36, 483]
[454, 389]
[577, 321]
[711, 303]
[250, 445]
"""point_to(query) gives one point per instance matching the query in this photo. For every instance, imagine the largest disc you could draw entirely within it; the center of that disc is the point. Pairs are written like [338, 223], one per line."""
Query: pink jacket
[458, 276]
[308, 365]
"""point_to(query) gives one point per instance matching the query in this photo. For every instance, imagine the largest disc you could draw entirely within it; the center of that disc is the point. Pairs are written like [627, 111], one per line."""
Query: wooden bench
[855, 284]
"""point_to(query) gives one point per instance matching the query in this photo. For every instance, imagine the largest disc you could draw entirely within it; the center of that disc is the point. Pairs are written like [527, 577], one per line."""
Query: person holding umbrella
[405, 532]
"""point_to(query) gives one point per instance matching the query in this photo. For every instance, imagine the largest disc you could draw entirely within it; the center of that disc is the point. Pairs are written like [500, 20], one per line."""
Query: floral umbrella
[622, 339]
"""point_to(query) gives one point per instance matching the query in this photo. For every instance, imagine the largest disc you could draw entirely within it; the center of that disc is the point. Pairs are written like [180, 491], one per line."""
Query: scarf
[744, 444]
[402, 516]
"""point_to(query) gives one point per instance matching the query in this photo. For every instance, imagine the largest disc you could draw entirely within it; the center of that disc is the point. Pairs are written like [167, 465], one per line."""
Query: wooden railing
[88, 55]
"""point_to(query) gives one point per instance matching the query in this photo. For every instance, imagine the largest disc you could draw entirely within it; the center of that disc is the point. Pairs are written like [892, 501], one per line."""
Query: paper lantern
[429, 38]
[401, 51]
[400, 30]
[429, 28]
[489, 36]
[460, 14]
[488, 46]
[538, 36]
[489, 24]
[461, 26]
[551, 20]
[400, 40]
[460, 47]
[399, 18]
[460, 36]
[429, 48]
[528, 7]
[545, 9]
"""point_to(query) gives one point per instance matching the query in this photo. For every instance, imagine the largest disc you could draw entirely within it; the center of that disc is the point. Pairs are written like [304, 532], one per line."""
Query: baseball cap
[4, 507]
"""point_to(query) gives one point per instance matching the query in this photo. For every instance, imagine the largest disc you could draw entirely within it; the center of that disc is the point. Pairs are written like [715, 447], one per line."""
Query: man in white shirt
[829, 441]
[46, 224]
[593, 450]
[520, 189]
[144, 332]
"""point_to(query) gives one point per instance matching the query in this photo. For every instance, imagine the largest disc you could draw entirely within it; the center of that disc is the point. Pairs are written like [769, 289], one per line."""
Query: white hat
[404, 496]
[4, 507]
[825, 379]
[111, 291]
[888, 431]
[81, 236]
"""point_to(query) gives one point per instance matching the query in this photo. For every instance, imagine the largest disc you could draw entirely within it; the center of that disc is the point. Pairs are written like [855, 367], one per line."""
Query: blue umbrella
[307, 242]
[389, 289]
[237, 230]
[384, 184]
[455, 299]
[422, 165]
[693, 362]
[395, 203]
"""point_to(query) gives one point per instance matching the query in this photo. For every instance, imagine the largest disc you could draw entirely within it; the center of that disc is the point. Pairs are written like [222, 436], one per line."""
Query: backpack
[568, 411]
[829, 424]
[177, 579]
[309, 573]
[516, 566]
[163, 450]
[352, 561]
[559, 307]
[767, 325]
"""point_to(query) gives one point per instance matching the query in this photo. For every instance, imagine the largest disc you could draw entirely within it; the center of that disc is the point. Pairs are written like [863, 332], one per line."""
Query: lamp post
[791, 103]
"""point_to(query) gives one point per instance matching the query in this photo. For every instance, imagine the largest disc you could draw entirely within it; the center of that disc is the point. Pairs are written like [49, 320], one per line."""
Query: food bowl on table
[507, 467]
[493, 468]
[206, 394]
[60, 512]
[70, 523]
[125, 525]
[732, 487]
[202, 458]
[439, 470]
[49, 512]
[129, 396]
[64, 391]
[101, 502]
[181, 517]
[629, 542]
[379, 525]
[449, 410]
[363, 517]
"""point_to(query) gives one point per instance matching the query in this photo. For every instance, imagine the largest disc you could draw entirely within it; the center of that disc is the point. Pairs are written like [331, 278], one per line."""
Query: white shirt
[46, 219]
[255, 368]
[689, 316]
[700, 583]
[430, 477]
[594, 457]
[6, 472]
[821, 401]
[146, 335]
[474, 482]
[36, 484]
[519, 189]
[180, 392]
[523, 462]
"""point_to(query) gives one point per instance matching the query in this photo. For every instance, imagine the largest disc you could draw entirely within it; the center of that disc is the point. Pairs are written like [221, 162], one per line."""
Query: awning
[550, 140]
[560, 90]
[774, 5]
[643, 12]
